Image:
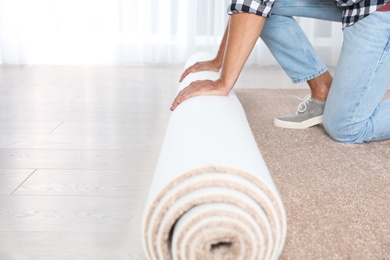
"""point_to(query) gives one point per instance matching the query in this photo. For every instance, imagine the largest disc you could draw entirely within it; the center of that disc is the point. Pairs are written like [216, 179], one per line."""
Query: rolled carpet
[212, 196]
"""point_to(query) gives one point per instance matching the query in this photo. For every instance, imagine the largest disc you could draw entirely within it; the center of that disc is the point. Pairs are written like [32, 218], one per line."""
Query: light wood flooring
[78, 147]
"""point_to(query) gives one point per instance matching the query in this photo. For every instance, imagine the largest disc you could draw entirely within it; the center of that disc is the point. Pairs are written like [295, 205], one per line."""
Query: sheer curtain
[128, 32]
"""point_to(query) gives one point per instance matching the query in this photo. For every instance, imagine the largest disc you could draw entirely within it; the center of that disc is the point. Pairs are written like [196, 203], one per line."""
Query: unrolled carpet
[336, 196]
[212, 196]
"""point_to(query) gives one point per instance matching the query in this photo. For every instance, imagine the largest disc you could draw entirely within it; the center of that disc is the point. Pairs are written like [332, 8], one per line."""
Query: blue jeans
[289, 44]
[354, 111]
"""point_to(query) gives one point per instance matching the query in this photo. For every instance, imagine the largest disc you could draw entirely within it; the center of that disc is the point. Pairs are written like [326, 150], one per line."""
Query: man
[354, 112]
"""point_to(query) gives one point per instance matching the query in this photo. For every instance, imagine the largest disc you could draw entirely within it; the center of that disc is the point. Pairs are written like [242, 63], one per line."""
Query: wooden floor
[78, 147]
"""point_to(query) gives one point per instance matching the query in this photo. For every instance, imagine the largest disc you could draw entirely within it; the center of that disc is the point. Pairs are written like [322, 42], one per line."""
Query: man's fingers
[177, 100]
[192, 69]
[175, 103]
[182, 96]
[199, 66]
[196, 88]
[185, 73]
[188, 71]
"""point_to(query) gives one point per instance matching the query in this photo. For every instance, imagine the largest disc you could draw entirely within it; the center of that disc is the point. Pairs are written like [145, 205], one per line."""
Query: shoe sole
[299, 125]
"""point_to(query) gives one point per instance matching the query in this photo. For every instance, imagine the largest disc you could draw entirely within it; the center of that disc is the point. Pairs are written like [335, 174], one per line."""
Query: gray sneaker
[309, 113]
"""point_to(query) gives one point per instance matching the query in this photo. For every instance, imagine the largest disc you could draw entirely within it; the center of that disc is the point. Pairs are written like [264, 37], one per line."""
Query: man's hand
[241, 36]
[200, 88]
[210, 65]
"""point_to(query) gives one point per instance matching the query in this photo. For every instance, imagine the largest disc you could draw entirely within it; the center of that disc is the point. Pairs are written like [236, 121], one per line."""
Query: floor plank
[73, 245]
[71, 213]
[11, 179]
[46, 182]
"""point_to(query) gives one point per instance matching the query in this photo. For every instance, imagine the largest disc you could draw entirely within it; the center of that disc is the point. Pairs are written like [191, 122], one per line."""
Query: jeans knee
[343, 133]
[332, 130]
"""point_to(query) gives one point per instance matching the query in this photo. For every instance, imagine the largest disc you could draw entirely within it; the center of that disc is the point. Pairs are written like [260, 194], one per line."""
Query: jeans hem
[312, 76]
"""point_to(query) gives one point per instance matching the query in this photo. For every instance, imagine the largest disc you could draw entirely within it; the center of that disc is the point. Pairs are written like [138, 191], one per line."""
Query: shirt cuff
[258, 7]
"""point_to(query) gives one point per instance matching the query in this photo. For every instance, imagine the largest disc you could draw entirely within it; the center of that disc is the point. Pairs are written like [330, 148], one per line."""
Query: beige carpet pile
[336, 196]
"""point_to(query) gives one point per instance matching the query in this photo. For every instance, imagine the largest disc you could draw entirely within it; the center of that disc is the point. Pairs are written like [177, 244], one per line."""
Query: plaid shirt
[354, 10]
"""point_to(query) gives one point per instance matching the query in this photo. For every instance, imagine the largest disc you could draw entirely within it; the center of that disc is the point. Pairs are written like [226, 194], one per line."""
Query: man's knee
[344, 133]
[334, 132]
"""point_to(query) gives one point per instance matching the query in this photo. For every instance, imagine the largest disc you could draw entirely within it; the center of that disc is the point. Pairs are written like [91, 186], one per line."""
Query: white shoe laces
[302, 107]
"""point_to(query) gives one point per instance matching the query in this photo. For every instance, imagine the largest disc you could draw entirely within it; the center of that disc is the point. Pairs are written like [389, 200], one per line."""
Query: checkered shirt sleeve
[355, 10]
[259, 7]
